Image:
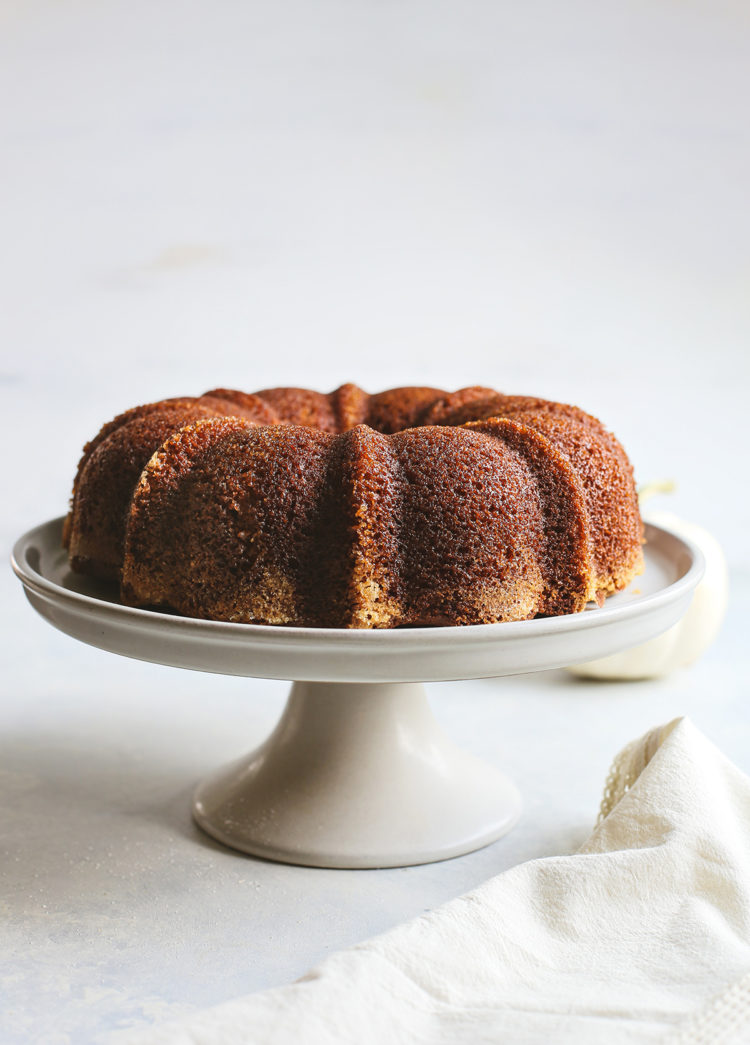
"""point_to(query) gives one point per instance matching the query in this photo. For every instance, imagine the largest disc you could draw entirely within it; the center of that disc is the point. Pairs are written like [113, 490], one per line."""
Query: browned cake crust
[111, 464]
[410, 507]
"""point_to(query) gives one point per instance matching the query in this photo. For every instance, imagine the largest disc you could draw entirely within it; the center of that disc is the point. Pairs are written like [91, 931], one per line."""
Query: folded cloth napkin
[641, 936]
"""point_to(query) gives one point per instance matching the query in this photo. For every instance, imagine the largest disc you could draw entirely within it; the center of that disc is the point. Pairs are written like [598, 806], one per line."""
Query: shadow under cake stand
[357, 773]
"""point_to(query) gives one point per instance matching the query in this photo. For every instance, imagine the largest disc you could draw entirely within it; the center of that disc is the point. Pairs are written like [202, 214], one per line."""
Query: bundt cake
[409, 507]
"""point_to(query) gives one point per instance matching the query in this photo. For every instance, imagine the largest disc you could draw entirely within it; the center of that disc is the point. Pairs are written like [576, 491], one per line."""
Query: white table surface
[544, 198]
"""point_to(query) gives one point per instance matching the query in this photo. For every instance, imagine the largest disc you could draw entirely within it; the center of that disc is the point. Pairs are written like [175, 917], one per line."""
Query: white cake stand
[357, 772]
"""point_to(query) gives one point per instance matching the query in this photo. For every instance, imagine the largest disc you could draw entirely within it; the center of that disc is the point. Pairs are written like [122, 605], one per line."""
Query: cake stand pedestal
[357, 776]
[357, 772]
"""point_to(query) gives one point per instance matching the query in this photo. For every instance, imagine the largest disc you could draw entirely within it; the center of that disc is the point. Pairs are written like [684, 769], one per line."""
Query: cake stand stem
[357, 775]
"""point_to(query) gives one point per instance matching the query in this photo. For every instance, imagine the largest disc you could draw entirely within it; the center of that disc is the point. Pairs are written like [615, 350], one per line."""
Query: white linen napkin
[641, 936]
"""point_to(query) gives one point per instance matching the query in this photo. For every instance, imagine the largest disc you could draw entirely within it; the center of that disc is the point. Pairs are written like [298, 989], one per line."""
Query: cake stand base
[357, 775]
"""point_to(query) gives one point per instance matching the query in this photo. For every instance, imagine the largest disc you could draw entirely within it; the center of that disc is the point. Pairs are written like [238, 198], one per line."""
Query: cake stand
[357, 773]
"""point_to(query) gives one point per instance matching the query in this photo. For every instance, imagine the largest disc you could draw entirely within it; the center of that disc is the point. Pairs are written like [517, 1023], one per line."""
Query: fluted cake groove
[411, 507]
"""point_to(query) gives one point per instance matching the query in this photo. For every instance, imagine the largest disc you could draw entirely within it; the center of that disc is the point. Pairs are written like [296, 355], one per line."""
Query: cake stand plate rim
[82, 612]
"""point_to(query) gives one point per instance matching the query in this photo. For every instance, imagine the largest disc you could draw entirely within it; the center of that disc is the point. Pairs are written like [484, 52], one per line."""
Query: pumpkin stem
[654, 487]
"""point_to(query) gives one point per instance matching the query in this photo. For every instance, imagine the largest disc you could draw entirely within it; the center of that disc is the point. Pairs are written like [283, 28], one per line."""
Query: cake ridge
[412, 506]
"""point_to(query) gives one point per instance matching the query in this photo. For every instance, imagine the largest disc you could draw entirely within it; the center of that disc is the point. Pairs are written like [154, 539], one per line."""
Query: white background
[545, 198]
